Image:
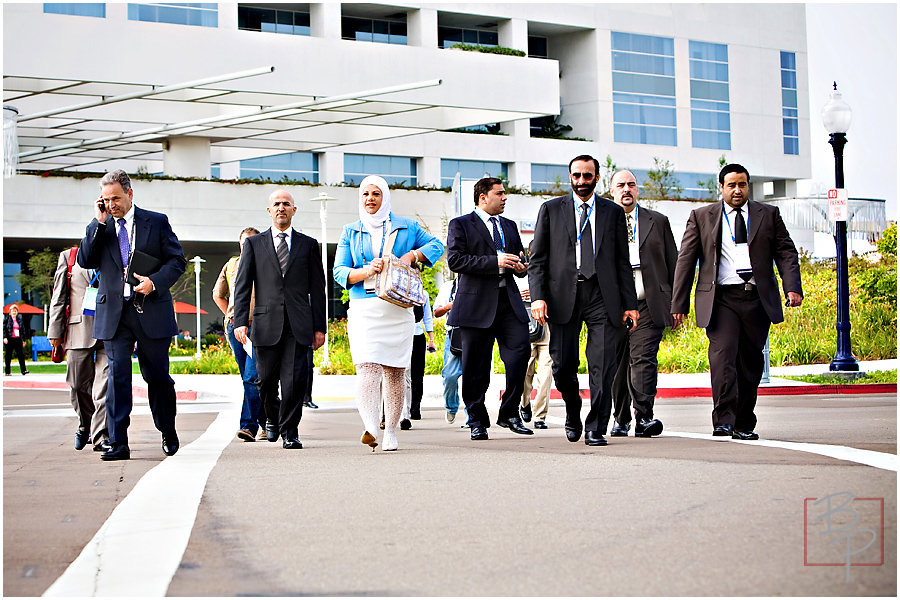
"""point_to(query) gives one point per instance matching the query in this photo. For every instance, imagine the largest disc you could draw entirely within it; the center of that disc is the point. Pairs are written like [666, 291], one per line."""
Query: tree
[39, 277]
[607, 170]
[661, 183]
[711, 185]
[185, 288]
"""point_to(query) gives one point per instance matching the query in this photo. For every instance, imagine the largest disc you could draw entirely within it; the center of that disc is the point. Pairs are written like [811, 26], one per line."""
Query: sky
[855, 45]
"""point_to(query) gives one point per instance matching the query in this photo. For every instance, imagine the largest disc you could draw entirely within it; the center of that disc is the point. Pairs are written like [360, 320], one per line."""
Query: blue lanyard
[94, 278]
[728, 221]
[587, 219]
[383, 238]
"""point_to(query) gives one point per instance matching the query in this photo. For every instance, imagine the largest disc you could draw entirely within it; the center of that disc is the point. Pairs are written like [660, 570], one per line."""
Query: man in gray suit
[87, 371]
[652, 252]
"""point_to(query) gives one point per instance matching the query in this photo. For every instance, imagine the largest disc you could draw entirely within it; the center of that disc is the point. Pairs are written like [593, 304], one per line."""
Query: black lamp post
[836, 116]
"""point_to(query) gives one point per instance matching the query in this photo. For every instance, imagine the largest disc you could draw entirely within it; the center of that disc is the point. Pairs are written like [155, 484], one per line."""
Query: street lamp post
[197, 260]
[836, 117]
[323, 218]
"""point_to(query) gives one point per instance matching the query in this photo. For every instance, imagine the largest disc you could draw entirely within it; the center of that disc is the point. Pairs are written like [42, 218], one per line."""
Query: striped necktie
[282, 252]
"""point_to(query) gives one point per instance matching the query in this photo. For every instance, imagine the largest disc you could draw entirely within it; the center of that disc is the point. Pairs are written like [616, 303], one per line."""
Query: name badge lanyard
[634, 236]
[587, 220]
[369, 283]
[731, 233]
[138, 305]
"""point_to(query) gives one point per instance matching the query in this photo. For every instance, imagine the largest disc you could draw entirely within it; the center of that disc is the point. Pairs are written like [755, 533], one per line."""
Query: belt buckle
[748, 287]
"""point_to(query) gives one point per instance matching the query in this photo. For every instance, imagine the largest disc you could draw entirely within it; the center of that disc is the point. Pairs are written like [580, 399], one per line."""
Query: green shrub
[488, 49]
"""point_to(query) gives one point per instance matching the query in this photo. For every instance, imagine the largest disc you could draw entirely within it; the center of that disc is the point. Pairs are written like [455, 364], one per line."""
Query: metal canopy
[77, 124]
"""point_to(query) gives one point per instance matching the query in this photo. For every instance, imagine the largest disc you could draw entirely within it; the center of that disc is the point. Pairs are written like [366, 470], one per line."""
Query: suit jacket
[100, 250]
[770, 243]
[658, 253]
[472, 254]
[300, 292]
[79, 330]
[552, 272]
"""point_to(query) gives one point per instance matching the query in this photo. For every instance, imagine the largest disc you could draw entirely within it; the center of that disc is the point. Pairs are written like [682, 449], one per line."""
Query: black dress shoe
[479, 433]
[271, 431]
[82, 437]
[291, 443]
[594, 438]
[525, 413]
[647, 427]
[620, 430]
[415, 415]
[744, 435]
[723, 430]
[170, 444]
[515, 425]
[102, 446]
[117, 452]
[573, 432]
[405, 425]
[308, 403]
[540, 425]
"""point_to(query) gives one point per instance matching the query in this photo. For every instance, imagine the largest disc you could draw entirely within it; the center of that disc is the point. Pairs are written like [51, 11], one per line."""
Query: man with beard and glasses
[580, 273]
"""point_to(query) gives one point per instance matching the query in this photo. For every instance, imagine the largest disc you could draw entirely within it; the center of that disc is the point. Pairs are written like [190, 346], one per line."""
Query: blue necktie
[498, 241]
[124, 244]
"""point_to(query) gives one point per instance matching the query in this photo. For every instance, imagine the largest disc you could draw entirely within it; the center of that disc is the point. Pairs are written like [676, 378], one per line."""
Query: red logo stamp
[841, 530]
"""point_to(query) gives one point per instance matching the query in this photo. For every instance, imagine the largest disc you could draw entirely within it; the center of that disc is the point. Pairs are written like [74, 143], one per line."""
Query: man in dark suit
[736, 242]
[485, 249]
[652, 253]
[126, 316]
[580, 273]
[289, 315]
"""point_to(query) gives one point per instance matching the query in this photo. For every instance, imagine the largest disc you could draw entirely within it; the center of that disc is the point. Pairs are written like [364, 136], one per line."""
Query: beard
[584, 190]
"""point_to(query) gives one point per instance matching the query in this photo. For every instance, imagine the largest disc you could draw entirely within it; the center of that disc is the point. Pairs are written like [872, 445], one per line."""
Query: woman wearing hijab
[13, 335]
[381, 333]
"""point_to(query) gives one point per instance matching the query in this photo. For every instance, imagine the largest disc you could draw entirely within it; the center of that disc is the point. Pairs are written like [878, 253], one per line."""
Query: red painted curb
[136, 391]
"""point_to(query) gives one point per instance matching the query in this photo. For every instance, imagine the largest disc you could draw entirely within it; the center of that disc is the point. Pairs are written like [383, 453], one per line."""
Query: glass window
[643, 82]
[251, 18]
[373, 30]
[81, 9]
[790, 123]
[548, 177]
[537, 46]
[396, 170]
[448, 36]
[199, 14]
[710, 106]
[469, 170]
[295, 165]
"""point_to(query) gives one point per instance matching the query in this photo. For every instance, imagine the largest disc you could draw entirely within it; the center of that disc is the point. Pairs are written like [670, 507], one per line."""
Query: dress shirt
[276, 240]
[591, 217]
[129, 226]
[427, 322]
[638, 276]
[486, 219]
[727, 272]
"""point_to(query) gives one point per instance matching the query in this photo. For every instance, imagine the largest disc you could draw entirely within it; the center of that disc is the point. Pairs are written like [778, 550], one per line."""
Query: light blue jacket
[354, 249]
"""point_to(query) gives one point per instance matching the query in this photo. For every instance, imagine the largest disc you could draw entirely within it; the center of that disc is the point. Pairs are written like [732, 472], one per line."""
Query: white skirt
[380, 332]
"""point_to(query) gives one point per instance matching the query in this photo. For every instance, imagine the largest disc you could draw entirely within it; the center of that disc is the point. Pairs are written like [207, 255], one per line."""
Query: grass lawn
[827, 379]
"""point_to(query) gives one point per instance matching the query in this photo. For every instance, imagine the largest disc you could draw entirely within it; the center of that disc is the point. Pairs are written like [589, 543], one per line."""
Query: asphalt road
[445, 516]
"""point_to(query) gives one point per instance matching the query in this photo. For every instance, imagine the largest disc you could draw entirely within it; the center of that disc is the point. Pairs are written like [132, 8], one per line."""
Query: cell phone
[432, 349]
[629, 323]
[101, 205]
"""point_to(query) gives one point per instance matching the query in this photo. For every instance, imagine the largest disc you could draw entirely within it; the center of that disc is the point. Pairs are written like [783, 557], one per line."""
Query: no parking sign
[837, 204]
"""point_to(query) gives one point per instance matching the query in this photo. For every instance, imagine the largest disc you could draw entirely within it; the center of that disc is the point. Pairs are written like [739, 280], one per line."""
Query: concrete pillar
[331, 167]
[230, 170]
[513, 33]
[117, 11]
[325, 20]
[186, 156]
[757, 190]
[421, 28]
[228, 16]
[428, 170]
[520, 173]
[785, 188]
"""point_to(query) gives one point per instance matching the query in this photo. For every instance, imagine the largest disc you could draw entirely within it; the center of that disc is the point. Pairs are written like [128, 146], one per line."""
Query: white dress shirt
[486, 219]
[635, 255]
[593, 207]
[287, 239]
[727, 268]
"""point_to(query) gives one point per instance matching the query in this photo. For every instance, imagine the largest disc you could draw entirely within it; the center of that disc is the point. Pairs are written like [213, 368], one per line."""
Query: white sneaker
[389, 442]
[451, 416]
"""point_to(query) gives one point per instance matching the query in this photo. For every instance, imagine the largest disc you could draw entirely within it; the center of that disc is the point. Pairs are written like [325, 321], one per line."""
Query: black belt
[745, 287]
[581, 278]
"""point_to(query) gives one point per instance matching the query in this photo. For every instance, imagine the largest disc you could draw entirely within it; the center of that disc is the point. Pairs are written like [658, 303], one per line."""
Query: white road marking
[139, 548]
[879, 460]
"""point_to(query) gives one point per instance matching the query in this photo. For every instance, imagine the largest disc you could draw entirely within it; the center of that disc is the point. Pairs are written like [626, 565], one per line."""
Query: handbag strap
[389, 247]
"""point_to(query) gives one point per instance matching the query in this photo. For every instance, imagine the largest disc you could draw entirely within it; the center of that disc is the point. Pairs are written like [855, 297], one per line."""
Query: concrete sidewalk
[339, 391]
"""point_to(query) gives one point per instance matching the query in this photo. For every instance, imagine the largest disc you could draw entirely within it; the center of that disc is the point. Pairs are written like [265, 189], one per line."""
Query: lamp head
[836, 114]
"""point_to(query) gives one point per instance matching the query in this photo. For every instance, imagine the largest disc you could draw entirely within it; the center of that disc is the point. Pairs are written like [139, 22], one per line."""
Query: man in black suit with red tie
[485, 249]
[126, 316]
[285, 269]
[736, 242]
[580, 273]
[652, 252]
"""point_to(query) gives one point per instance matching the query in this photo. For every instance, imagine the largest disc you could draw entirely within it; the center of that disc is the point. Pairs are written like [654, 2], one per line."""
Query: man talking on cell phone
[133, 318]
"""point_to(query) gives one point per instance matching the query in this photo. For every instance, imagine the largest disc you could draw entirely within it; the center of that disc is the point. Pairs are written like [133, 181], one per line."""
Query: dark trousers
[477, 363]
[153, 358]
[602, 336]
[286, 362]
[636, 375]
[310, 366]
[737, 334]
[15, 345]
[417, 375]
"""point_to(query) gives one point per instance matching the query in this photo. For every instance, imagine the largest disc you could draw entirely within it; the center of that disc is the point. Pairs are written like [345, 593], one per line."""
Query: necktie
[629, 219]
[740, 227]
[498, 241]
[587, 245]
[282, 251]
[124, 244]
